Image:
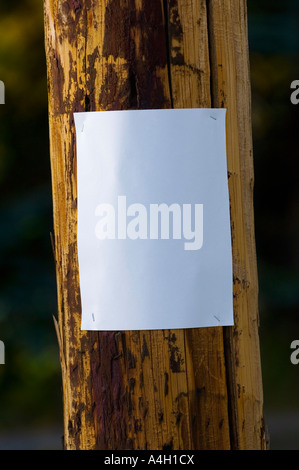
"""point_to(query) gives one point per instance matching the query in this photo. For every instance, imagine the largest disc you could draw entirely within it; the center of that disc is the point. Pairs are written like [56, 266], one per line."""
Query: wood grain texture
[165, 389]
[231, 90]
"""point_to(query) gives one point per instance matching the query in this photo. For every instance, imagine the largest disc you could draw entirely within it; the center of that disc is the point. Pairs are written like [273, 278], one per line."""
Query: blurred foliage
[274, 55]
[30, 383]
[30, 388]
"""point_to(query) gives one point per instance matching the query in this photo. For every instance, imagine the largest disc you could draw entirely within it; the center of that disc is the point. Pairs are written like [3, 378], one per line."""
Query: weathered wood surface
[179, 389]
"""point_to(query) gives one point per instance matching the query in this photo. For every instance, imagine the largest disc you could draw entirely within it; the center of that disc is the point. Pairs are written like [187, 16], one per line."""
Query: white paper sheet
[154, 241]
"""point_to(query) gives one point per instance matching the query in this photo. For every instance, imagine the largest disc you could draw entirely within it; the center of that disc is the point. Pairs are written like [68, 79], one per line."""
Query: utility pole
[159, 389]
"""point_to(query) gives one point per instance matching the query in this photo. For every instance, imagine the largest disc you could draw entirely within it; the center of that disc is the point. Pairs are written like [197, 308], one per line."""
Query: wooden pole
[180, 389]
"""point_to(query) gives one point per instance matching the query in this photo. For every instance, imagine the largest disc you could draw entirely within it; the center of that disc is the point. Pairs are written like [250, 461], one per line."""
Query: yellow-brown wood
[231, 90]
[178, 389]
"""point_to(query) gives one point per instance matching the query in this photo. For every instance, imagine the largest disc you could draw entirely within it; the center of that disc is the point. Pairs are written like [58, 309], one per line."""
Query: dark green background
[30, 382]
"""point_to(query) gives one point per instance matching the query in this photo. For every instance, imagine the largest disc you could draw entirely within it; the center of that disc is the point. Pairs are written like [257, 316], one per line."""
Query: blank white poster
[154, 238]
